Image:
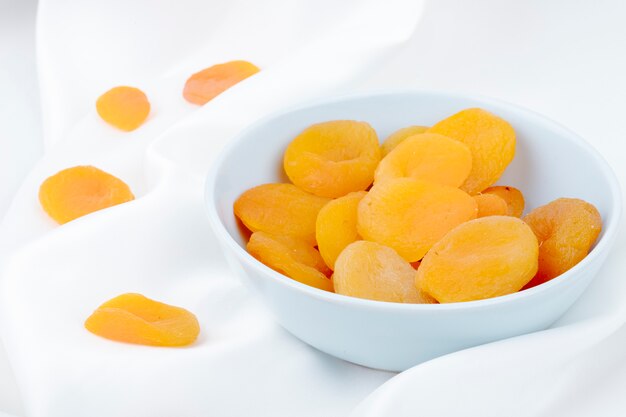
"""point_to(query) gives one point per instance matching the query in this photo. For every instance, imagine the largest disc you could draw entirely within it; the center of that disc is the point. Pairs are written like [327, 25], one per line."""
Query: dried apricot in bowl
[291, 257]
[490, 139]
[280, 209]
[410, 215]
[123, 107]
[336, 226]
[483, 258]
[133, 318]
[429, 157]
[513, 198]
[399, 136]
[490, 205]
[566, 228]
[332, 159]
[80, 190]
[376, 272]
[207, 84]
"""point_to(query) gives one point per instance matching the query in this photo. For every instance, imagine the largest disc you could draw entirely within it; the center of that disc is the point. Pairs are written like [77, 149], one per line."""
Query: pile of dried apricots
[81, 190]
[417, 219]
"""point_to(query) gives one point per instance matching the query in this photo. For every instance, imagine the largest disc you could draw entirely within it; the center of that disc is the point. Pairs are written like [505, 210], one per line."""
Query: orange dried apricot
[207, 84]
[336, 226]
[77, 191]
[291, 257]
[280, 209]
[482, 258]
[376, 272]
[566, 229]
[513, 198]
[333, 158]
[399, 136]
[123, 107]
[133, 318]
[410, 215]
[429, 157]
[490, 139]
[490, 205]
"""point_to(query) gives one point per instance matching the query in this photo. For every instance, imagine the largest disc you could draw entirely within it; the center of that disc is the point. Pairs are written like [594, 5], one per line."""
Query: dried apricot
[427, 156]
[483, 258]
[376, 272]
[280, 209]
[333, 158]
[77, 191]
[513, 198]
[123, 107]
[207, 84]
[133, 318]
[292, 257]
[490, 205]
[490, 139]
[336, 226]
[566, 229]
[410, 215]
[399, 136]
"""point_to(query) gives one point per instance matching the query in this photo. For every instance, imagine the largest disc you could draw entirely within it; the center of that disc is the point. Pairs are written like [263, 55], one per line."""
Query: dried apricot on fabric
[207, 84]
[376, 272]
[513, 198]
[490, 205]
[490, 139]
[483, 258]
[133, 318]
[429, 157]
[336, 226]
[123, 107]
[566, 228]
[399, 136]
[410, 215]
[280, 209]
[77, 191]
[291, 257]
[332, 159]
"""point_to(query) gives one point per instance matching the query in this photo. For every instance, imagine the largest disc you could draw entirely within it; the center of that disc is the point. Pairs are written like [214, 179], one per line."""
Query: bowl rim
[610, 228]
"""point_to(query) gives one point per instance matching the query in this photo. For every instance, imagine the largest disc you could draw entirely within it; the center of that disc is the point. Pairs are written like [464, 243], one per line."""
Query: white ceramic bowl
[550, 162]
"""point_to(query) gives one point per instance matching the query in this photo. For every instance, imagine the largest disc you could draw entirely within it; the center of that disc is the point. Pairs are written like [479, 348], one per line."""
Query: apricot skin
[207, 84]
[280, 209]
[334, 158]
[80, 190]
[336, 226]
[490, 139]
[566, 228]
[399, 136]
[291, 257]
[123, 107]
[513, 198]
[133, 318]
[483, 258]
[490, 205]
[410, 215]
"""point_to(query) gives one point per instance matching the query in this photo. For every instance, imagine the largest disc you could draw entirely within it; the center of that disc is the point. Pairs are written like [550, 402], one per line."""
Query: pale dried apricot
[292, 257]
[427, 156]
[566, 228]
[513, 198]
[410, 215]
[399, 136]
[333, 158]
[376, 272]
[490, 139]
[207, 84]
[123, 107]
[133, 318]
[482, 258]
[280, 209]
[336, 226]
[80, 190]
[490, 205]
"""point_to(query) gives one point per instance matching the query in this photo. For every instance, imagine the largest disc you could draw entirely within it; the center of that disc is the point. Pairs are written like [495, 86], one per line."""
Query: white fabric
[561, 58]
